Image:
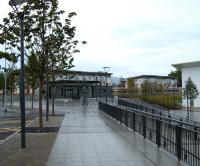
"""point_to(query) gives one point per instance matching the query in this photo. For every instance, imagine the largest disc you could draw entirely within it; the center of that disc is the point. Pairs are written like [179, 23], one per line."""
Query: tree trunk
[32, 97]
[3, 96]
[11, 98]
[40, 104]
[53, 112]
[47, 98]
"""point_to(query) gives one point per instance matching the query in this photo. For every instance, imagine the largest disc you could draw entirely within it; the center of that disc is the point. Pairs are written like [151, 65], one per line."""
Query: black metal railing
[154, 110]
[177, 137]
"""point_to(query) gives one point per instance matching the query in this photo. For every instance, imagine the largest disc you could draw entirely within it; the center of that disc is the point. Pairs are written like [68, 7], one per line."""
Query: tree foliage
[131, 83]
[148, 88]
[145, 88]
[31, 71]
[2, 81]
[48, 40]
[12, 79]
[190, 90]
[177, 75]
[122, 82]
[7, 56]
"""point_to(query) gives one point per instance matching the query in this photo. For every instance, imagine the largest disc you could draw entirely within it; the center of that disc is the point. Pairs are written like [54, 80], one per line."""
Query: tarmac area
[38, 144]
[10, 121]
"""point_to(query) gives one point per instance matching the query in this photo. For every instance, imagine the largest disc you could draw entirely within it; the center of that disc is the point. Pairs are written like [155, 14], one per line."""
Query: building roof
[75, 82]
[85, 73]
[179, 66]
[153, 76]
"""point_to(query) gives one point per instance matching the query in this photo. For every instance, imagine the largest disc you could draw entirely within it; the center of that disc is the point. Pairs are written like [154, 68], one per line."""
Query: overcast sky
[133, 37]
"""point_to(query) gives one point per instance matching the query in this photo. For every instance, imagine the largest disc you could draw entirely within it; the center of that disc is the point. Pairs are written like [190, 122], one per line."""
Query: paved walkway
[87, 137]
[194, 115]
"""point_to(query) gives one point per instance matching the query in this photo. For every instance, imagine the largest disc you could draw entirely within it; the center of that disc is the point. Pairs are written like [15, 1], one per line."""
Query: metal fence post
[120, 115]
[133, 121]
[144, 126]
[178, 142]
[169, 116]
[158, 132]
[195, 133]
[126, 119]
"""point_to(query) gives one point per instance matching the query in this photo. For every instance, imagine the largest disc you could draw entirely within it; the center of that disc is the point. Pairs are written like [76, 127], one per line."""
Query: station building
[74, 84]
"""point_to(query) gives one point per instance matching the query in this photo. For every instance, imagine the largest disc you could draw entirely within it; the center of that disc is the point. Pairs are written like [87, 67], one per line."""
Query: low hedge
[170, 101]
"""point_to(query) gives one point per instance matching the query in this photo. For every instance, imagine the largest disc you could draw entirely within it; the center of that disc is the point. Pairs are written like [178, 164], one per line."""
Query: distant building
[74, 83]
[190, 69]
[168, 83]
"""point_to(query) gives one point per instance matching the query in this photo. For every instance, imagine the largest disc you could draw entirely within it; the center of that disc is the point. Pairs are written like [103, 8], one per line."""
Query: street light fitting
[16, 2]
[106, 69]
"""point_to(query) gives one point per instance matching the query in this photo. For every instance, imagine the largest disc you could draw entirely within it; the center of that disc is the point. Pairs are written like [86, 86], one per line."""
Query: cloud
[134, 37]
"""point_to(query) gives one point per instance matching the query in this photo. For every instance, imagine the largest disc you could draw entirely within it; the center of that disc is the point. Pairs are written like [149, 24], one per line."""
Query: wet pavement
[194, 115]
[88, 137]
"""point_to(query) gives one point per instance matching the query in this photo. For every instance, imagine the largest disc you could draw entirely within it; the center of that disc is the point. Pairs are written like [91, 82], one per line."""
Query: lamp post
[14, 4]
[47, 66]
[106, 69]
[5, 98]
[100, 88]
[96, 87]
[100, 85]
[187, 99]
[4, 94]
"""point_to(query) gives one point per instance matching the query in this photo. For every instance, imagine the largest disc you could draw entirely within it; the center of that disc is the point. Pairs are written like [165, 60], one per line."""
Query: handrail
[178, 137]
[128, 109]
[162, 111]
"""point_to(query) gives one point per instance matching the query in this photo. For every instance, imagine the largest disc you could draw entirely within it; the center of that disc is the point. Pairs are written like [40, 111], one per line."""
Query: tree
[132, 88]
[31, 71]
[177, 75]
[122, 82]
[158, 88]
[2, 85]
[2, 81]
[130, 83]
[10, 57]
[11, 76]
[12, 80]
[60, 58]
[45, 36]
[190, 92]
[145, 88]
[7, 56]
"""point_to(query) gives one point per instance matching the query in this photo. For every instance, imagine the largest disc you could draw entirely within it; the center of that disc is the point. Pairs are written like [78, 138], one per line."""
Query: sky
[133, 37]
